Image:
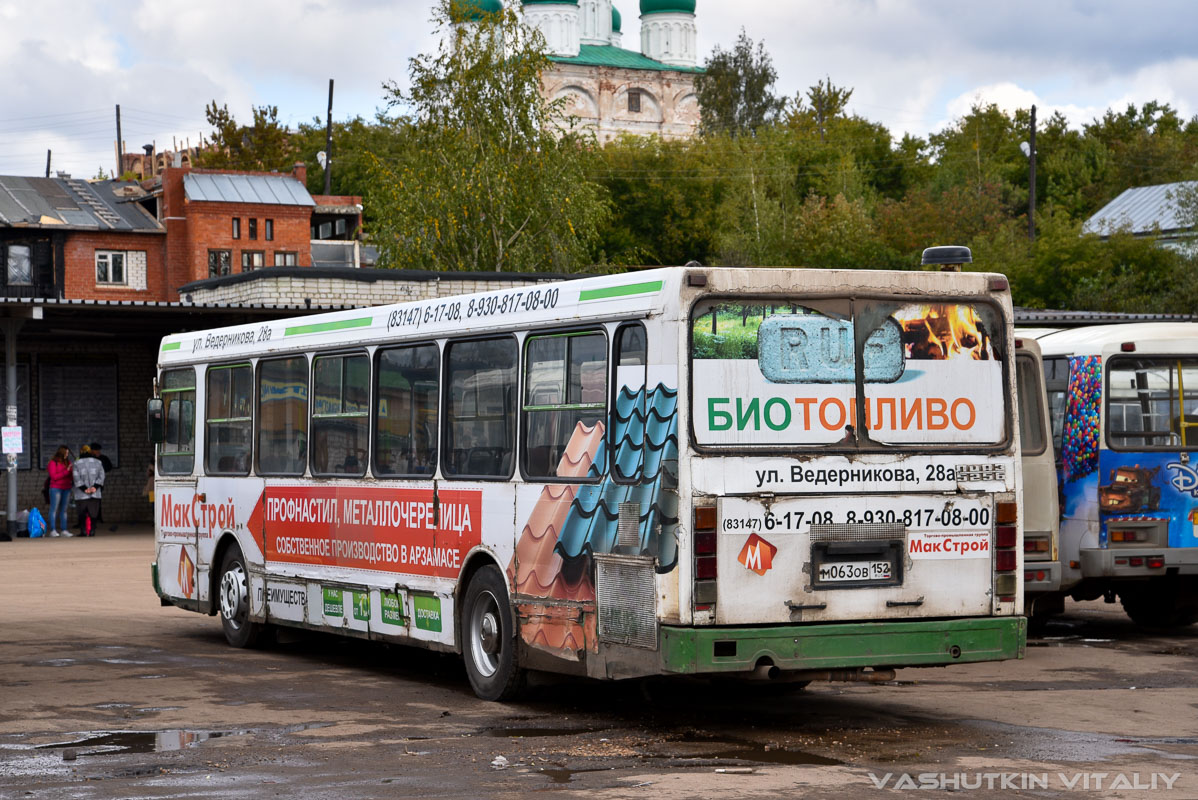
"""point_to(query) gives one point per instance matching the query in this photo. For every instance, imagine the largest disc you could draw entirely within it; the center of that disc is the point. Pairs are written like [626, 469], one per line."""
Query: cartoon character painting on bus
[1135, 486]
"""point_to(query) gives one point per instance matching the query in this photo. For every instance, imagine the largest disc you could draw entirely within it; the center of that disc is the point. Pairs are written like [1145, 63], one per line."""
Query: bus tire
[489, 645]
[233, 596]
[1162, 606]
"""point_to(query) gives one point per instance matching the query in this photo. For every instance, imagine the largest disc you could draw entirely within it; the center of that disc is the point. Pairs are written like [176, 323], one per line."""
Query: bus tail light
[1006, 558]
[1005, 536]
[706, 570]
[1156, 562]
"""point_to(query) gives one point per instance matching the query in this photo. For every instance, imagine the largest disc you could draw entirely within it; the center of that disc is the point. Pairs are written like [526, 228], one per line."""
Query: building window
[634, 101]
[252, 259]
[253, 230]
[20, 264]
[270, 230]
[220, 262]
[110, 267]
[339, 227]
[236, 227]
[324, 230]
[285, 260]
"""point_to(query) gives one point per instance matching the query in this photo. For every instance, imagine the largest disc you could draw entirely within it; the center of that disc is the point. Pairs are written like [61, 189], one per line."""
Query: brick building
[95, 274]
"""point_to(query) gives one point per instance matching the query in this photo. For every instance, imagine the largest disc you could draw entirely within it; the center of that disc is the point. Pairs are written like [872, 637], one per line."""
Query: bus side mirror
[155, 420]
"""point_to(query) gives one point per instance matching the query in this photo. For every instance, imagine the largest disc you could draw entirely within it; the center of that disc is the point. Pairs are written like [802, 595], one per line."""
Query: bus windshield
[781, 373]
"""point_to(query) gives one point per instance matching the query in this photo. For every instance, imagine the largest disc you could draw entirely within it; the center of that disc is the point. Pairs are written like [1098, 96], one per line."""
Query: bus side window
[176, 453]
[340, 415]
[283, 416]
[480, 410]
[629, 404]
[406, 391]
[565, 388]
[228, 422]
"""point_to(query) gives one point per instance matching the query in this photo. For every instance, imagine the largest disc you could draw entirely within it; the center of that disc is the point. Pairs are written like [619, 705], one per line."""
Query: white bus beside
[784, 473]
[1124, 402]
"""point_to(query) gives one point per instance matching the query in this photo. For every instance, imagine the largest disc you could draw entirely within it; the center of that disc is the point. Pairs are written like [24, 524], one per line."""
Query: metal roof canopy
[282, 190]
[1142, 209]
[1074, 319]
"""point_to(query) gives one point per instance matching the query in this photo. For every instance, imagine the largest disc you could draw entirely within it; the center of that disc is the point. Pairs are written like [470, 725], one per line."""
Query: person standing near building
[89, 480]
[106, 463]
[59, 470]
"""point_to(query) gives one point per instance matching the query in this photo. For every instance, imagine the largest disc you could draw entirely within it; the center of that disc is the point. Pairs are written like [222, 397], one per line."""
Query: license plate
[854, 571]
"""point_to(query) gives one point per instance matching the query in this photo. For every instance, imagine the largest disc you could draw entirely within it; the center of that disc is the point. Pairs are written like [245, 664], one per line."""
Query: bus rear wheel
[489, 637]
[233, 593]
[1162, 606]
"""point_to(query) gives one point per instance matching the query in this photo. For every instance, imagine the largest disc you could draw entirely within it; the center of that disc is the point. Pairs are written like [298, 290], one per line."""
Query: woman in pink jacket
[61, 483]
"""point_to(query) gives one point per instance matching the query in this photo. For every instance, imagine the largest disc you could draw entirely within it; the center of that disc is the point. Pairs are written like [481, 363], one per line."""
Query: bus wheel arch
[231, 595]
[487, 631]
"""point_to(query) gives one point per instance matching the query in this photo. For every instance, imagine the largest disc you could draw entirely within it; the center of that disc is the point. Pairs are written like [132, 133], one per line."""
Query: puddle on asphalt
[103, 743]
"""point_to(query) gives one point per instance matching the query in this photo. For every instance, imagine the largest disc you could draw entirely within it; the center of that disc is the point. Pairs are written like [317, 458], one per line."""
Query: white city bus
[1124, 402]
[779, 473]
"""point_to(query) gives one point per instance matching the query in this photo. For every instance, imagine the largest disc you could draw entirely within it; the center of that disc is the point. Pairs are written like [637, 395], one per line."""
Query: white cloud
[914, 65]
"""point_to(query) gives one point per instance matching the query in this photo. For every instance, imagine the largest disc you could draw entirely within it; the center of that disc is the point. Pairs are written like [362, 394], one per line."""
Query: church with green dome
[613, 89]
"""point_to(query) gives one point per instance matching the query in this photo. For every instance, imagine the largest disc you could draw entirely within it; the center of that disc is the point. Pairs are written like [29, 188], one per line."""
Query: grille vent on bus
[628, 529]
[858, 533]
[626, 596]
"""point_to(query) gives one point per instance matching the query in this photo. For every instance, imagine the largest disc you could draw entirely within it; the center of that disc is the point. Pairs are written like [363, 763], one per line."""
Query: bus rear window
[1152, 403]
[779, 373]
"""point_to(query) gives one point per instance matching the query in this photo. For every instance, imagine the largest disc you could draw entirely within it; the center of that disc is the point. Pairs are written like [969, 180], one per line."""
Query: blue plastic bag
[36, 524]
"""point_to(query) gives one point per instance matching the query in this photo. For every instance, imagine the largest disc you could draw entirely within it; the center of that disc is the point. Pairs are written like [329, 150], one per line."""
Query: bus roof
[631, 295]
[1094, 339]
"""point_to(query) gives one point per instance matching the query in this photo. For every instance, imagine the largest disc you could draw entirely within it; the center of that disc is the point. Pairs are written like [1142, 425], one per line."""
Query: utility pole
[1031, 186]
[328, 144]
[120, 150]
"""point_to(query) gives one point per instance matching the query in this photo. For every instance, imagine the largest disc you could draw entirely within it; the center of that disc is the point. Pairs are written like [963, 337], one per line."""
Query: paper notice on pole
[10, 438]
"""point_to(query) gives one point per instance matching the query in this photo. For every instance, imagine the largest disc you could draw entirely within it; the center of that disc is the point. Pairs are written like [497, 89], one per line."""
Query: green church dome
[615, 20]
[474, 10]
[664, 6]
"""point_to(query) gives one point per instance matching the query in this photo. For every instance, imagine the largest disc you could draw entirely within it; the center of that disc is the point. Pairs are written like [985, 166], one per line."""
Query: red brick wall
[79, 256]
[194, 228]
[210, 227]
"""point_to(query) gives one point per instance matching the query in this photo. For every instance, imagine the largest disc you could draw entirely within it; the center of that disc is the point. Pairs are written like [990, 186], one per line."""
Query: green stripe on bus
[171, 346]
[619, 291]
[324, 327]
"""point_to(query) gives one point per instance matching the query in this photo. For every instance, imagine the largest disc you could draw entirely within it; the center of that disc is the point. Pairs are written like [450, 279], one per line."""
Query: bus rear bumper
[1120, 562]
[1041, 577]
[843, 646]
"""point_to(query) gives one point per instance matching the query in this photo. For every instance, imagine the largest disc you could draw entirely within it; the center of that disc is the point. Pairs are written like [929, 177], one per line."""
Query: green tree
[492, 176]
[264, 146]
[735, 89]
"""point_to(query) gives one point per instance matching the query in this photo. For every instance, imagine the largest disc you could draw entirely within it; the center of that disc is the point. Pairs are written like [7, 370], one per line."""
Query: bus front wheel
[234, 596]
[489, 637]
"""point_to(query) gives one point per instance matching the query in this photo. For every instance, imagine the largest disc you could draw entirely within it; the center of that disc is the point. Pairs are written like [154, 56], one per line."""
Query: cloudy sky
[914, 65]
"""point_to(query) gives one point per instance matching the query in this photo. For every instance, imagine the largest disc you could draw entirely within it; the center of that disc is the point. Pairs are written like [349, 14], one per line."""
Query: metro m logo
[757, 555]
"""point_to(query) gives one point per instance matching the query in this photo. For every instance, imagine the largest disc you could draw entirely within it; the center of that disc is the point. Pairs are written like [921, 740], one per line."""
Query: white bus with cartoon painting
[779, 474]
[1124, 402]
